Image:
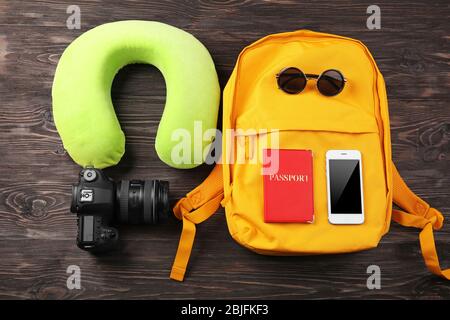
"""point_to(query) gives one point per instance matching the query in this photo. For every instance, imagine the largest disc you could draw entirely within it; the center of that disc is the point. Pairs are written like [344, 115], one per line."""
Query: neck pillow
[81, 93]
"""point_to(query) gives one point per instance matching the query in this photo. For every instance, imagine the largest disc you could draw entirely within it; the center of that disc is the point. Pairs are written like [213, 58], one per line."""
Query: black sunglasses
[292, 80]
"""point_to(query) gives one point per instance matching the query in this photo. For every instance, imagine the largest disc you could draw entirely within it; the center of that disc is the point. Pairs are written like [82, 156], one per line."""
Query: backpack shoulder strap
[420, 215]
[196, 207]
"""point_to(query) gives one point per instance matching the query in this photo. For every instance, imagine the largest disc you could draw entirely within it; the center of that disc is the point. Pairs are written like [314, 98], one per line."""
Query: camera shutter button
[89, 175]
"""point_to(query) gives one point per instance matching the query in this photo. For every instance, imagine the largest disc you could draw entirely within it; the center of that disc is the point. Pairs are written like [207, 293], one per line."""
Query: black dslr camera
[99, 202]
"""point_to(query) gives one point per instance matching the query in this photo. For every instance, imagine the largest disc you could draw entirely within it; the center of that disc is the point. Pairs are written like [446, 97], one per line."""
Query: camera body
[99, 203]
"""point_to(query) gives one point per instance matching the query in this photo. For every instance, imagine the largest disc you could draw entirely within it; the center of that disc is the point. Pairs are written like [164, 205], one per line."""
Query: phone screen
[345, 186]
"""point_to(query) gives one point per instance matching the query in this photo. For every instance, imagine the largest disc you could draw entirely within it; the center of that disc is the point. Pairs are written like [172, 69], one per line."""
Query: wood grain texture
[37, 231]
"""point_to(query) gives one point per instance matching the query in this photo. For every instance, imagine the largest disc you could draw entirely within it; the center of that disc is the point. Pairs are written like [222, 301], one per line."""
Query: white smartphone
[345, 187]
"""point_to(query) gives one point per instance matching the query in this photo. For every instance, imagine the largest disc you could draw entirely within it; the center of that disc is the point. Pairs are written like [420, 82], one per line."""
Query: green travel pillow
[82, 106]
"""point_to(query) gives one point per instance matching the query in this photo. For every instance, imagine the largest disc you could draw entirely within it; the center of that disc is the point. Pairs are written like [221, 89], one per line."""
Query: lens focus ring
[148, 201]
[142, 201]
[123, 200]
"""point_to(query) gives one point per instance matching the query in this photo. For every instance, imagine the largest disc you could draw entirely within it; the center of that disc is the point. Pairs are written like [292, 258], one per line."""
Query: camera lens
[142, 202]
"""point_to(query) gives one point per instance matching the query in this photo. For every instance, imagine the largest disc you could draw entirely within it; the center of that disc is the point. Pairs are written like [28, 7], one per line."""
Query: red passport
[288, 191]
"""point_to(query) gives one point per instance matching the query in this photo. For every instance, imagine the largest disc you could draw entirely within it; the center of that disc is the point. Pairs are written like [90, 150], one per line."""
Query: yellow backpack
[357, 118]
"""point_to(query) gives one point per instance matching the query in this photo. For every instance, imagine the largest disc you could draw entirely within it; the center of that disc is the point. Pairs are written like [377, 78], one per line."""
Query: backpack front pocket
[245, 209]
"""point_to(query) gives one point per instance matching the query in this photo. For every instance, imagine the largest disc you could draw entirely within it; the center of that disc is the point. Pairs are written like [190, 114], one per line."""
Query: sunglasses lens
[291, 80]
[330, 83]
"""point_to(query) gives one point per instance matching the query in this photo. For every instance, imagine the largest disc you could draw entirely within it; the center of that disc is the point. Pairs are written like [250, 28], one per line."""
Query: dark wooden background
[37, 232]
